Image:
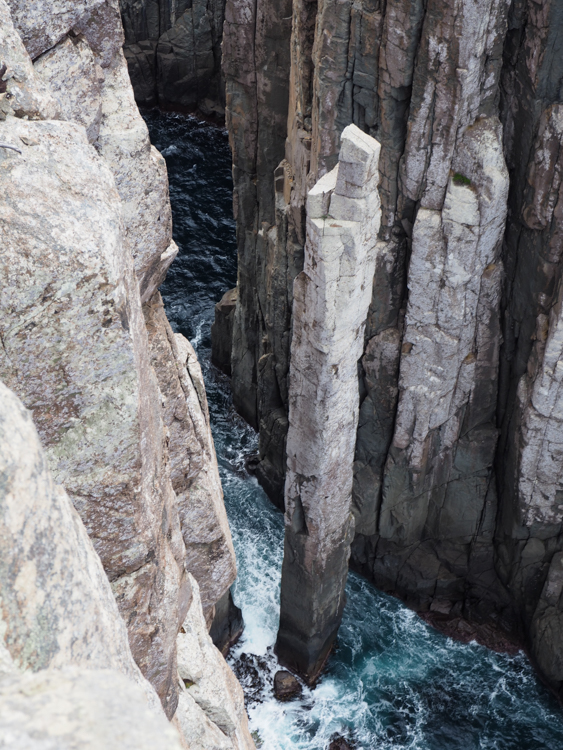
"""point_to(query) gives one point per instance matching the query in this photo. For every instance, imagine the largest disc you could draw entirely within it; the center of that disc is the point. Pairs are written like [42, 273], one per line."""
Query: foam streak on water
[393, 683]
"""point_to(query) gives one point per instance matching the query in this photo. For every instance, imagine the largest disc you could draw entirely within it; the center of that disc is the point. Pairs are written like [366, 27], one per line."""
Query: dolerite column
[331, 299]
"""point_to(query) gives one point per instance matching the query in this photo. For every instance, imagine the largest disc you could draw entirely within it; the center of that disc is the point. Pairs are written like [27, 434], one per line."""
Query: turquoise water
[393, 683]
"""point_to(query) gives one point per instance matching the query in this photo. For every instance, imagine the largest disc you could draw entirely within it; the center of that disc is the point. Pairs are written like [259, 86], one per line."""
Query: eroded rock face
[173, 50]
[210, 688]
[72, 317]
[81, 103]
[57, 605]
[90, 709]
[86, 229]
[343, 216]
[457, 480]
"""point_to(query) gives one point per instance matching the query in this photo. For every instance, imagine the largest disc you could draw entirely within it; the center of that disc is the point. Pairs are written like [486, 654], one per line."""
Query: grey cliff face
[117, 399]
[458, 459]
[173, 50]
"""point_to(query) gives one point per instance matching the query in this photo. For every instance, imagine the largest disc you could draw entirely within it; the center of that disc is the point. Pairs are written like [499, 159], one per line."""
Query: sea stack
[331, 301]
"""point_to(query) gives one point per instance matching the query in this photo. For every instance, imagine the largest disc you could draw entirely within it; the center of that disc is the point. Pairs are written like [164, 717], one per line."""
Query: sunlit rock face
[456, 493]
[119, 405]
[66, 667]
[331, 300]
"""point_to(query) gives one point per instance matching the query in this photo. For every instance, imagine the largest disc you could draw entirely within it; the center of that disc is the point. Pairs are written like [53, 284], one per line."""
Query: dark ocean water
[393, 683]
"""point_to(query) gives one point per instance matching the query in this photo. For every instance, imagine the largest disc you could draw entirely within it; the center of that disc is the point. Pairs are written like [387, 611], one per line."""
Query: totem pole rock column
[331, 299]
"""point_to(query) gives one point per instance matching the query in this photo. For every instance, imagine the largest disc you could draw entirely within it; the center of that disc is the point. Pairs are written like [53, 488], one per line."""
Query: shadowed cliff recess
[173, 52]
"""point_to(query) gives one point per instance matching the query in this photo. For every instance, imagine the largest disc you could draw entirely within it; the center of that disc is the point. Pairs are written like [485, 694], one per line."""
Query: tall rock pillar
[331, 300]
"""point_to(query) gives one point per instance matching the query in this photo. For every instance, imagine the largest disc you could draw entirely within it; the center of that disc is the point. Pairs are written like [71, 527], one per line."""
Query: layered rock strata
[457, 465]
[331, 299]
[173, 50]
[118, 401]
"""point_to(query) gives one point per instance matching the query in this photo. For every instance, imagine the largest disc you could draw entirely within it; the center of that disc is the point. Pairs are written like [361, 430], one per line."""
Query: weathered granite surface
[67, 671]
[86, 227]
[343, 216]
[57, 604]
[67, 674]
[194, 473]
[75, 350]
[77, 708]
[173, 50]
[457, 478]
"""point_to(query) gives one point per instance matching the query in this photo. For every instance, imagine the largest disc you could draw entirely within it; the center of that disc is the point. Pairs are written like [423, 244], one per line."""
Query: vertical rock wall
[66, 666]
[173, 50]
[118, 401]
[458, 458]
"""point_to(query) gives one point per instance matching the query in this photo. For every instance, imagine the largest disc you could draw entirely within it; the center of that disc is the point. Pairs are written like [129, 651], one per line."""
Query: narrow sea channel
[393, 682]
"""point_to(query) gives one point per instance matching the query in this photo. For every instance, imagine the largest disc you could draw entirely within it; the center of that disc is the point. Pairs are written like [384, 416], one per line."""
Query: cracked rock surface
[343, 216]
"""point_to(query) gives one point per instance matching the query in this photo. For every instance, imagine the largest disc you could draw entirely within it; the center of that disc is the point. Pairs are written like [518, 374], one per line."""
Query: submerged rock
[339, 743]
[286, 686]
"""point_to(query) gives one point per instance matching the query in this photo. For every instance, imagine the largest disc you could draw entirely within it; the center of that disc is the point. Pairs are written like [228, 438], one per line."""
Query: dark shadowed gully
[392, 683]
